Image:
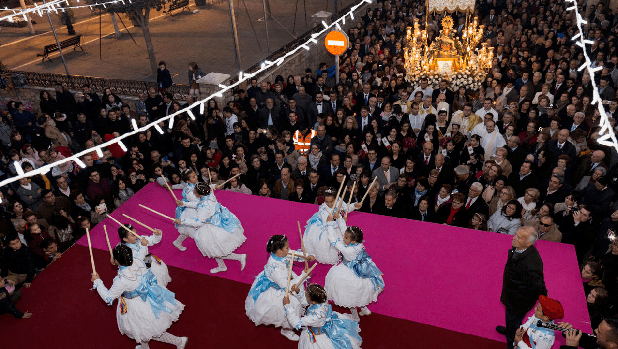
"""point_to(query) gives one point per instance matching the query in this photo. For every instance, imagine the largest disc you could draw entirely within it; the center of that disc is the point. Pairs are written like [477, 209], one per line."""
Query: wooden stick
[368, 188]
[306, 275]
[111, 254]
[298, 255]
[302, 245]
[168, 188]
[224, 183]
[159, 213]
[94, 271]
[336, 197]
[125, 227]
[350, 201]
[140, 223]
[209, 177]
[345, 190]
[289, 274]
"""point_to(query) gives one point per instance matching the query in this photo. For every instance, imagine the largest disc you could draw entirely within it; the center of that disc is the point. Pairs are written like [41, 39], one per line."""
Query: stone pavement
[204, 37]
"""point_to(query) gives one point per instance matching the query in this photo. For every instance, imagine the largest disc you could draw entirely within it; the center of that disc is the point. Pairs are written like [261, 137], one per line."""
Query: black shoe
[501, 330]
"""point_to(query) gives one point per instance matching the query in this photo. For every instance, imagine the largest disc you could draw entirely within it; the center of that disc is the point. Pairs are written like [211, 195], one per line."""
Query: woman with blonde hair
[506, 194]
[529, 200]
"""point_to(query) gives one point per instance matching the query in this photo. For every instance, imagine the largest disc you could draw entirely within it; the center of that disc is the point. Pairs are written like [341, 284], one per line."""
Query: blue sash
[365, 268]
[155, 294]
[263, 282]
[223, 218]
[315, 219]
[338, 329]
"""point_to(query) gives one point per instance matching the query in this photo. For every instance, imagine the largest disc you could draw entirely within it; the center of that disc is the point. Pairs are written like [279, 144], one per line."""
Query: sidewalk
[204, 37]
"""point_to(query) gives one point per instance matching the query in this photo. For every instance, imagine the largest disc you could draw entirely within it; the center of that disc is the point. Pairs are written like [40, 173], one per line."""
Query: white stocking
[233, 256]
[181, 238]
[220, 262]
[168, 338]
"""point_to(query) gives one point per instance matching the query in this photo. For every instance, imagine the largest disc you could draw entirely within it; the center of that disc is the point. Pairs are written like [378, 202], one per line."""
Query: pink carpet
[437, 275]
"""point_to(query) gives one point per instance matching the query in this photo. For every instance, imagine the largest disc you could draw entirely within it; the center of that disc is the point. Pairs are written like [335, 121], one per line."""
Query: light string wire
[608, 137]
[52, 6]
[266, 65]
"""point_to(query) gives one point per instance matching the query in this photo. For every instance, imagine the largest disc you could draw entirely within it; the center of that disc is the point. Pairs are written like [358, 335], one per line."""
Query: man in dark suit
[577, 123]
[334, 102]
[316, 108]
[313, 184]
[559, 146]
[391, 208]
[328, 171]
[522, 282]
[363, 121]
[554, 193]
[426, 160]
[589, 164]
[301, 171]
[269, 115]
[293, 108]
[446, 171]
[371, 161]
[559, 87]
[474, 202]
[444, 90]
[362, 99]
[524, 179]
[516, 154]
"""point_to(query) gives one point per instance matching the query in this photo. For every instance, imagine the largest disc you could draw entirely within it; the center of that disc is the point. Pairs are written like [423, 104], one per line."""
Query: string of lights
[608, 137]
[54, 7]
[265, 66]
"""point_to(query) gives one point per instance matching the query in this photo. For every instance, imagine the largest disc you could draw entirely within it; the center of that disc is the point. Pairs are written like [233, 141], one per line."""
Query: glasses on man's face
[545, 225]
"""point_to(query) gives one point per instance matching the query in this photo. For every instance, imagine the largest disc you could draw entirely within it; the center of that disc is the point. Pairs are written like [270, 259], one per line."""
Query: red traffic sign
[336, 42]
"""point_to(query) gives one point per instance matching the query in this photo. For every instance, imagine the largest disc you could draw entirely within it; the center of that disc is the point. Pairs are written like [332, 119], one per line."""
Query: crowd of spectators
[521, 151]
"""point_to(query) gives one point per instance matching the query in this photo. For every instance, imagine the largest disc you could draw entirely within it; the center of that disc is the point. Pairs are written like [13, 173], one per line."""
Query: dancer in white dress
[263, 304]
[145, 309]
[356, 281]
[140, 251]
[189, 201]
[217, 233]
[316, 236]
[322, 328]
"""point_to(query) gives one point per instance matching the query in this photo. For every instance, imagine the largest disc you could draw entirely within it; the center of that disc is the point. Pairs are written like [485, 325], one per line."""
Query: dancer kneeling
[263, 304]
[316, 236]
[140, 252]
[357, 281]
[217, 232]
[323, 328]
[145, 309]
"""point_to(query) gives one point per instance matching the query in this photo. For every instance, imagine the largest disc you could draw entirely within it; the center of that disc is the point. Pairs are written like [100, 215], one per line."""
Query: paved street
[204, 37]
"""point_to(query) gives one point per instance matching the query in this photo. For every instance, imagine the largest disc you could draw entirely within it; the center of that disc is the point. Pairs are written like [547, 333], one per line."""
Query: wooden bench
[177, 4]
[73, 41]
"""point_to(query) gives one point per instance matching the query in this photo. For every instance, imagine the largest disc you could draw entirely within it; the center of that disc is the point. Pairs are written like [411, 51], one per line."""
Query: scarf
[314, 160]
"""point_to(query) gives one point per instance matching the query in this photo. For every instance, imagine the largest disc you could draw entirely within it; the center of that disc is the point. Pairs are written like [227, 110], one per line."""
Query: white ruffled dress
[316, 233]
[216, 231]
[157, 266]
[140, 322]
[342, 284]
[264, 304]
[319, 323]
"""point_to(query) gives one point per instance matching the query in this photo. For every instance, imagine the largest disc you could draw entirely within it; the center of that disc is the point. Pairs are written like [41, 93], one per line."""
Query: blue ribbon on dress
[136, 246]
[315, 219]
[263, 282]
[338, 329]
[365, 268]
[156, 295]
[223, 218]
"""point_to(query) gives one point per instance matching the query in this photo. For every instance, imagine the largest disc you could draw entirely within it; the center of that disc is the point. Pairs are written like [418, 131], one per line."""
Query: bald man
[588, 164]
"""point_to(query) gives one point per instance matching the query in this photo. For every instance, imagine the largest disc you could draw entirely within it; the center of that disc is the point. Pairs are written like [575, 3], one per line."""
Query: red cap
[551, 308]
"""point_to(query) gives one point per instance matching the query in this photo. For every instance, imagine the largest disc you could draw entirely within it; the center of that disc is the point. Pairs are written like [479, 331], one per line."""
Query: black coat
[522, 281]
[459, 220]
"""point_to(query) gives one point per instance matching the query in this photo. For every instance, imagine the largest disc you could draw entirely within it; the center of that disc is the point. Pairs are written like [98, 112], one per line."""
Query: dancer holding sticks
[139, 245]
[264, 302]
[328, 215]
[321, 326]
[145, 309]
[357, 281]
[216, 231]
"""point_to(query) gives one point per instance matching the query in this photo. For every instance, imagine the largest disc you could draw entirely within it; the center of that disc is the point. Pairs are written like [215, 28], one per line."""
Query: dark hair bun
[276, 243]
[356, 234]
[202, 188]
